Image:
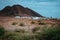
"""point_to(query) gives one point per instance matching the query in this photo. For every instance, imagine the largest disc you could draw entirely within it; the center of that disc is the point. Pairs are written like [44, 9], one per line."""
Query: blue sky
[46, 8]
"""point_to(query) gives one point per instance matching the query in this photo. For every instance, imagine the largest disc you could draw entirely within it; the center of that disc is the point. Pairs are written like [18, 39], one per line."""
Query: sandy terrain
[6, 22]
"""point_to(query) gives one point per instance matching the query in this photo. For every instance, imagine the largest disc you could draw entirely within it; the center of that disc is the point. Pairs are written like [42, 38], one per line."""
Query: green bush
[49, 34]
[18, 36]
[10, 36]
[2, 32]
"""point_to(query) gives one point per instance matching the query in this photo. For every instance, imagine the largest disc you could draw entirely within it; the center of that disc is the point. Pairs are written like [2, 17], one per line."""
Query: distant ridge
[18, 10]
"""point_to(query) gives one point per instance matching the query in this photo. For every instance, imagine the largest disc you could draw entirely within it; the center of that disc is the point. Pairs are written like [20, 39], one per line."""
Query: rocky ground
[11, 23]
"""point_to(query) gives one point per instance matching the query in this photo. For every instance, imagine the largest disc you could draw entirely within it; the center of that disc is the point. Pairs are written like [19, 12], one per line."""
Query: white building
[34, 18]
[17, 17]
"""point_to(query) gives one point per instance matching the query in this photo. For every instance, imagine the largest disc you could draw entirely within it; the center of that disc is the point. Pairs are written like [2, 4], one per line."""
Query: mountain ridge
[18, 10]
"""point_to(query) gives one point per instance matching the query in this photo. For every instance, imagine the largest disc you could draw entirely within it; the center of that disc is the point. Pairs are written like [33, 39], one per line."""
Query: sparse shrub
[32, 22]
[57, 25]
[35, 29]
[18, 36]
[21, 24]
[42, 23]
[20, 30]
[49, 34]
[2, 32]
[14, 23]
[10, 36]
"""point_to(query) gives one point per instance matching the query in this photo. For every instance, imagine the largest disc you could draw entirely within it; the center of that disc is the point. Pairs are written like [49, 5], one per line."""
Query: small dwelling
[17, 16]
[38, 18]
[35, 18]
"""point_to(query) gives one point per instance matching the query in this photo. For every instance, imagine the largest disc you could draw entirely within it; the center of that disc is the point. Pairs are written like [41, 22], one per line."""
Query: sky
[47, 8]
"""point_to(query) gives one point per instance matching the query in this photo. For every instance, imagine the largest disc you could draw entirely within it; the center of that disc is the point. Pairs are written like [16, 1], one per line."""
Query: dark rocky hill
[18, 10]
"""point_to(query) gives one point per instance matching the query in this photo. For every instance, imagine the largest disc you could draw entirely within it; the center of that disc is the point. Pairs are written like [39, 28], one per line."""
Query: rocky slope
[18, 10]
